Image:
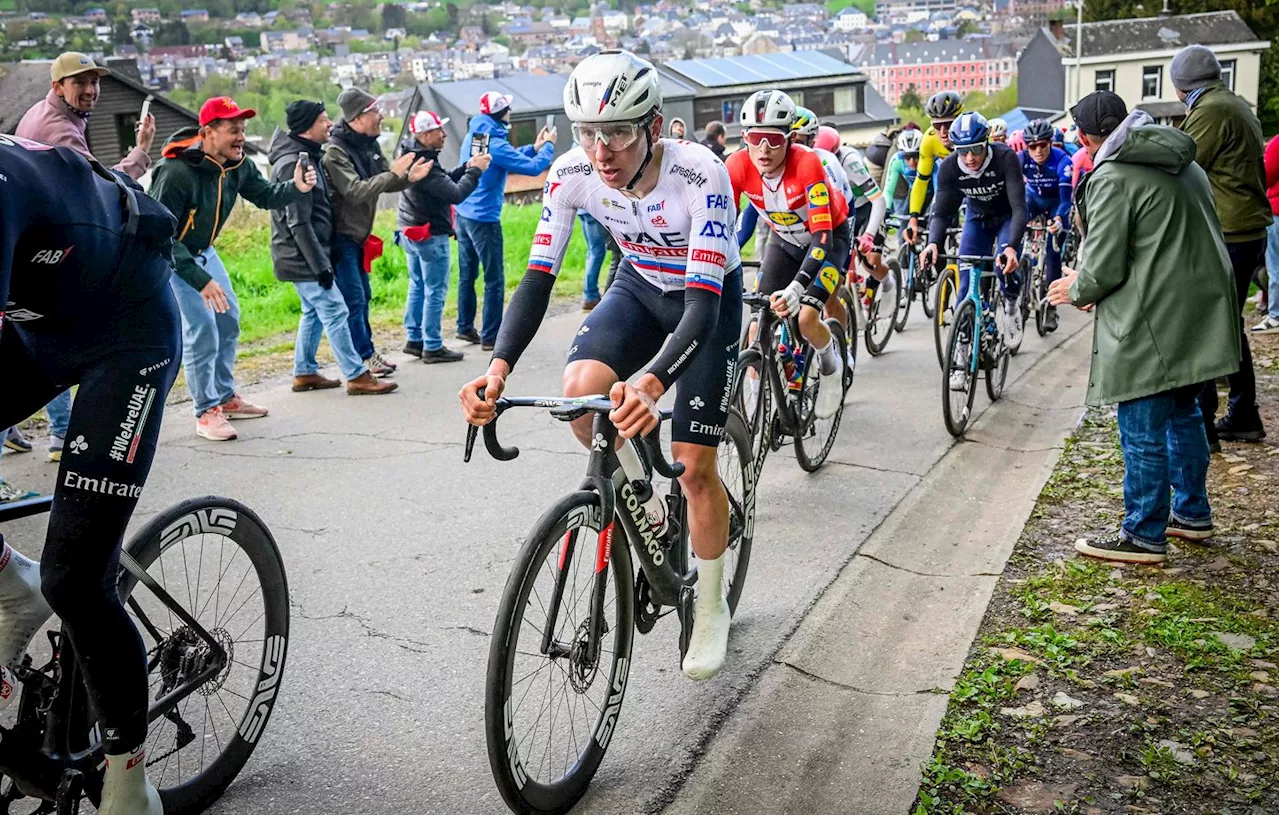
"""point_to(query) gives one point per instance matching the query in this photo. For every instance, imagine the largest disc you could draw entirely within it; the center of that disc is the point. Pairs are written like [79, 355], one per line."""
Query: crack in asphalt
[404, 643]
[924, 574]
[916, 476]
[1014, 449]
[1042, 407]
[865, 691]
[392, 694]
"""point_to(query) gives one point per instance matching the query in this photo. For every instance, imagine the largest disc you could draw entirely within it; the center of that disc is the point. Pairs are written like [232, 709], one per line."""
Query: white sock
[710, 640]
[828, 359]
[125, 787]
[22, 607]
[887, 284]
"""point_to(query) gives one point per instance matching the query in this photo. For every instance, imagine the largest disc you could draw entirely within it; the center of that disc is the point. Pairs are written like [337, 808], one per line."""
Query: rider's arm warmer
[947, 202]
[693, 332]
[1016, 192]
[816, 257]
[524, 315]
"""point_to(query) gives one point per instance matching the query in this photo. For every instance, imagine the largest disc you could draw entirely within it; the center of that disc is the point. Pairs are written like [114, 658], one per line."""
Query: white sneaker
[1269, 325]
[23, 609]
[830, 393]
[126, 790]
[710, 639]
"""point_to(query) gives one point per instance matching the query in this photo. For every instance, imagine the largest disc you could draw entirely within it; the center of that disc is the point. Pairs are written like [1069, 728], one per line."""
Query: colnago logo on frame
[638, 517]
[124, 447]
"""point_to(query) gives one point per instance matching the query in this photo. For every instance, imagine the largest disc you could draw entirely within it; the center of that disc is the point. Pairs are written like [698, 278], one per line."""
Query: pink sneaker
[213, 425]
[237, 407]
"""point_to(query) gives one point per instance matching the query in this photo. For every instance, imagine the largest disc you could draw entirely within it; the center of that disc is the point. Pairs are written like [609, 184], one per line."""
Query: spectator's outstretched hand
[482, 161]
[304, 180]
[420, 169]
[1060, 289]
[402, 164]
[146, 133]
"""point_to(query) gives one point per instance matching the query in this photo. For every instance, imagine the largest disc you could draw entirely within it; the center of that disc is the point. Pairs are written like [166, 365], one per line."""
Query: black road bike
[1035, 294]
[204, 583]
[777, 382]
[560, 654]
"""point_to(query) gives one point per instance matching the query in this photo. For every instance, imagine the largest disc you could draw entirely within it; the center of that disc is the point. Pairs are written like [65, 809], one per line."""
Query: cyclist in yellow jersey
[942, 109]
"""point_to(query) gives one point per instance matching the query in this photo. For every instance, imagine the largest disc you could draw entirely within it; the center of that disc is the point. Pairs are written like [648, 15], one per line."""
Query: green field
[867, 7]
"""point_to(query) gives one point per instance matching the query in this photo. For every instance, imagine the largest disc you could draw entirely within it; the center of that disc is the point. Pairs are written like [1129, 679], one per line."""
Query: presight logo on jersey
[52, 257]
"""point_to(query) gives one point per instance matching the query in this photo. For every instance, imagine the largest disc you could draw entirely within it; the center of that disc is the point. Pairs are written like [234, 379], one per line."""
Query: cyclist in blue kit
[85, 259]
[1047, 171]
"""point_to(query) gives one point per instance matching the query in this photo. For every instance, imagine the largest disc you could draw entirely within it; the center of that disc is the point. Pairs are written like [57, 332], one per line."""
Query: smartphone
[305, 160]
[479, 144]
[550, 123]
[146, 108]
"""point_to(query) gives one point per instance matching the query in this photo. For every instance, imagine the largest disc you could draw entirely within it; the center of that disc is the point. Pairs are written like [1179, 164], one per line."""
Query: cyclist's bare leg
[586, 377]
[812, 326]
[836, 310]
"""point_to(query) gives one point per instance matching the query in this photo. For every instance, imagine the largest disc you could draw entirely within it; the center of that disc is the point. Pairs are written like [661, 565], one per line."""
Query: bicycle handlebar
[14, 510]
[566, 410]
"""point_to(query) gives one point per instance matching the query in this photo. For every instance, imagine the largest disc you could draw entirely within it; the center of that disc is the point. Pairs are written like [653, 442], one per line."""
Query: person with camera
[426, 225]
[301, 254]
[480, 216]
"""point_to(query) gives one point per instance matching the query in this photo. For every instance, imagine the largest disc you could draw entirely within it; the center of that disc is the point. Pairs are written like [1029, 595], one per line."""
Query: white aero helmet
[768, 109]
[909, 141]
[612, 86]
[999, 128]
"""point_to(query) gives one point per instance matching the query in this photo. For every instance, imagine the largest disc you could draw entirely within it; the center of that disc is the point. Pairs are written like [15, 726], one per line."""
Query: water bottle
[655, 509]
[797, 372]
[787, 360]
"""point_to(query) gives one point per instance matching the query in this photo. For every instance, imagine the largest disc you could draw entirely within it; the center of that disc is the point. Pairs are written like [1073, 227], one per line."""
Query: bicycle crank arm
[70, 791]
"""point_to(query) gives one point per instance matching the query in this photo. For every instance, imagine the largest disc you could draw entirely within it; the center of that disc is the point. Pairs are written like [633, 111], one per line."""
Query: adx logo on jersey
[52, 257]
[714, 229]
[124, 447]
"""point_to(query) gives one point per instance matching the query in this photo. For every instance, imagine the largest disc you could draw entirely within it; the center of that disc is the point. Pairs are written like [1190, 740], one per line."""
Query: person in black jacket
[426, 224]
[301, 254]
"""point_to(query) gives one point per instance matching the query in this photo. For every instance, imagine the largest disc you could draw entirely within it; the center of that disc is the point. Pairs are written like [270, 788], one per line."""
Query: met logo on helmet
[51, 257]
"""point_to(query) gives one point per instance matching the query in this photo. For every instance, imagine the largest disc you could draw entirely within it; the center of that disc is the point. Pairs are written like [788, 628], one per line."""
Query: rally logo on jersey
[784, 218]
[829, 276]
[52, 257]
[818, 195]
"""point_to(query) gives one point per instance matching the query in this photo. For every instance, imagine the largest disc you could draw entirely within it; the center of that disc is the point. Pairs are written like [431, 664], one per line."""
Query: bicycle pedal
[70, 791]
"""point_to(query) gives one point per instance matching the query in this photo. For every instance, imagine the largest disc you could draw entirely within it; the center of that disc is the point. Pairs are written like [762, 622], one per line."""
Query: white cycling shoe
[960, 367]
[126, 790]
[1013, 323]
[710, 639]
[830, 393]
[23, 609]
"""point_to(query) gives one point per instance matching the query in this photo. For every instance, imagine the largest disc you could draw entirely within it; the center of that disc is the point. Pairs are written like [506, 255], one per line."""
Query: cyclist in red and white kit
[787, 184]
[668, 205]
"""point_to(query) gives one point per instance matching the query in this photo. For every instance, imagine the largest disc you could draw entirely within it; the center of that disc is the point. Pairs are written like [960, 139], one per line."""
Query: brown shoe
[367, 383]
[313, 382]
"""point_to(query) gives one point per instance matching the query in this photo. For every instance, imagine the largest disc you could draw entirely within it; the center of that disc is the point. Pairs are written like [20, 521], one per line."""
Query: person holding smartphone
[479, 221]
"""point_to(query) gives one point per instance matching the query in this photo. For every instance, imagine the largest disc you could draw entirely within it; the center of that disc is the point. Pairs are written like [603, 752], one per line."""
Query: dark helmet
[1038, 130]
[944, 105]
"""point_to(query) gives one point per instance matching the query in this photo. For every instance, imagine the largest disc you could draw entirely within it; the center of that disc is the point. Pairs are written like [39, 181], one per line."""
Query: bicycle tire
[756, 414]
[880, 319]
[811, 462]
[523, 794]
[742, 506]
[851, 306]
[229, 519]
[999, 367]
[943, 314]
[1042, 310]
[927, 282]
[956, 414]
[905, 295]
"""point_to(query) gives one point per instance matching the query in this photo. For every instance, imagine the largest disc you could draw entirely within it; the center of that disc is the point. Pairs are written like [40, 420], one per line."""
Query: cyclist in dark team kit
[85, 259]
[1048, 173]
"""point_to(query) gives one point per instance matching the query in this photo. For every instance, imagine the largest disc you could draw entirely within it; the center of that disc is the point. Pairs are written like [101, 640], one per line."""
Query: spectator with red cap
[479, 217]
[202, 173]
[426, 225]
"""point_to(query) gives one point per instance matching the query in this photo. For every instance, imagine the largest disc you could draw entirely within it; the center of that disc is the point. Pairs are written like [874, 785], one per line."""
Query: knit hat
[1099, 113]
[354, 101]
[1194, 67]
[302, 114]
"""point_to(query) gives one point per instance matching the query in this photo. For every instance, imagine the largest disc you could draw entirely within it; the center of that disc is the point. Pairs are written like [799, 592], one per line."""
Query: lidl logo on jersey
[124, 447]
[830, 278]
[52, 257]
[818, 195]
[784, 218]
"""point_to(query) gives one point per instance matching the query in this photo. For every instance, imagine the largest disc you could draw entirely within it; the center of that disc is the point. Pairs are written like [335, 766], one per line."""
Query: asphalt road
[397, 553]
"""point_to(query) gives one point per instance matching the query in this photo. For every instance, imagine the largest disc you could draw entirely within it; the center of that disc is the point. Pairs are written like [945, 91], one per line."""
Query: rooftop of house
[1155, 33]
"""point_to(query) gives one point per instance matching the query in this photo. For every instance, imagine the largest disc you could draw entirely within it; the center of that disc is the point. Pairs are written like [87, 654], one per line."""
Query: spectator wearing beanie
[358, 175]
[1229, 148]
[426, 225]
[301, 251]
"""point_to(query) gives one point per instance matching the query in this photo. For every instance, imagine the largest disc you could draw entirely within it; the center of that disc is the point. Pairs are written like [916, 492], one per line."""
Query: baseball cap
[494, 102]
[1099, 113]
[72, 63]
[424, 121]
[223, 107]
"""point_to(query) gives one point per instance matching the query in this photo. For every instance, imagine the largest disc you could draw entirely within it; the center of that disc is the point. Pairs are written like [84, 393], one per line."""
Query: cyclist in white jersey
[668, 205]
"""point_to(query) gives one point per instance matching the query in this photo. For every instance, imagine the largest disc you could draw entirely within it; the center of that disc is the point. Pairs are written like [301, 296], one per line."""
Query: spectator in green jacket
[1229, 148]
[202, 173]
[1157, 274]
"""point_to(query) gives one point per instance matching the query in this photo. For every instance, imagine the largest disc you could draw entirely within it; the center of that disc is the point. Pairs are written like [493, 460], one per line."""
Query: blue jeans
[1037, 206]
[1164, 444]
[209, 339]
[59, 412]
[348, 272]
[325, 308]
[1273, 268]
[428, 285]
[981, 238]
[480, 243]
[597, 238]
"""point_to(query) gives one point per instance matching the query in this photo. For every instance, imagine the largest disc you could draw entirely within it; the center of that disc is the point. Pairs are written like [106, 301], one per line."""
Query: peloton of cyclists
[1047, 171]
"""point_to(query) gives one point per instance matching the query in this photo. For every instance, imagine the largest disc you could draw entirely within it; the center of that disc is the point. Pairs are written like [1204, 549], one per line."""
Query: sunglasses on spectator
[773, 138]
[1037, 145]
[614, 136]
[972, 150]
